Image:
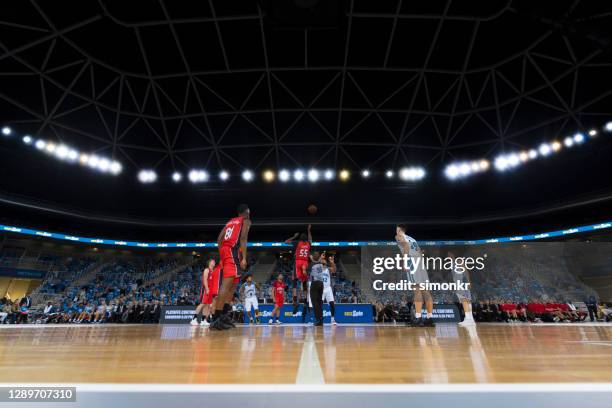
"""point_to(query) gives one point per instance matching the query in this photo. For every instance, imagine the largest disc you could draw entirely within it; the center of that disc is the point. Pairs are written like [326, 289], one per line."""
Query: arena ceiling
[273, 84]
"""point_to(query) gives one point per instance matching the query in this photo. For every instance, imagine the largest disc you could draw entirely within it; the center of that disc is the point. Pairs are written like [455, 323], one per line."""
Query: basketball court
[297, 354]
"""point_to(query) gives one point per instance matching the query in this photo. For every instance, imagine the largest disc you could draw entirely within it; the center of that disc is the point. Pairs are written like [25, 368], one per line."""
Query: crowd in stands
[132, 290]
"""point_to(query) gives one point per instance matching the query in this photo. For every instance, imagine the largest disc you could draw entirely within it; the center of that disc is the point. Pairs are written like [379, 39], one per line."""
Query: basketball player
[328, 293]
[277, 292]
[302, 256]
[464, 296]
[236, 229]
[409, 246]
[205, 290]
[248, 292]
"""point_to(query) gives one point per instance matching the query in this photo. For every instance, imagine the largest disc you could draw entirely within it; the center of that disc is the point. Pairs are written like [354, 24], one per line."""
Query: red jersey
[279, 288]
[302, 251]
[232, 232]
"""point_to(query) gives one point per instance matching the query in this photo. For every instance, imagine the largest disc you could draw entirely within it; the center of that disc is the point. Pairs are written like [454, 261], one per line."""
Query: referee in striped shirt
[322, 266]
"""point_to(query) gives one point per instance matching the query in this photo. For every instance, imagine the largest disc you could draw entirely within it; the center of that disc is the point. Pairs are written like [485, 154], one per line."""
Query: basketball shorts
[419, 276]
[208, 298]
[461, 294]
[279, 300]
[328, 294]
[251, 303]
[299, 273]
[231, 262]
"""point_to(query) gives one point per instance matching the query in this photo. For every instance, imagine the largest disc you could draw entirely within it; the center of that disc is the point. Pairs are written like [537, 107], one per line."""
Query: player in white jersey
[416, 274]
[464, 296]
[249, 293]
[328, 293]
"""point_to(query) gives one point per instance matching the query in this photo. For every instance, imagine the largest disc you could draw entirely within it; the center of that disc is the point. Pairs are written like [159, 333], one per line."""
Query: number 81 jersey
[232, 232]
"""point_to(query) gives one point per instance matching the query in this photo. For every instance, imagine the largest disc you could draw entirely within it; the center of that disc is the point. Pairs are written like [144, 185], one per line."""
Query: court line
[309, 370]
[330, 388]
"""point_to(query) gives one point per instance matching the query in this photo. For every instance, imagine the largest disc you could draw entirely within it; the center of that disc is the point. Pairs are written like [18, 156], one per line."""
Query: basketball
[312, 209]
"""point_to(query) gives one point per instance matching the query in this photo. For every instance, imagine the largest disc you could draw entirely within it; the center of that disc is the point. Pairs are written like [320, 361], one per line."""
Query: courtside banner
[176, 314]
[340, 244]
[444, 313]
[345, 313]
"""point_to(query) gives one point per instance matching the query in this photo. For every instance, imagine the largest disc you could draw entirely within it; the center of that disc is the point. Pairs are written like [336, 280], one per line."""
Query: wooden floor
[289, 354]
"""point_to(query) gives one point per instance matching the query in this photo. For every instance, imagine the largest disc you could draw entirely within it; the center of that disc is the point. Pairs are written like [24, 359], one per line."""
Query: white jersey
[416, 269]
[326, 277]
[250, 291]
[414, 250]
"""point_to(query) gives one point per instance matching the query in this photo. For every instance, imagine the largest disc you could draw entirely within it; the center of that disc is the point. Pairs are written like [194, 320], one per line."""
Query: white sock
[429, 315]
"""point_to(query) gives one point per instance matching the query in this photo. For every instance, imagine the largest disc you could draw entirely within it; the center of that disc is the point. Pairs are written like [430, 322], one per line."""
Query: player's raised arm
[309, 234]
[244, 236]
[293, 238]
[332, 264]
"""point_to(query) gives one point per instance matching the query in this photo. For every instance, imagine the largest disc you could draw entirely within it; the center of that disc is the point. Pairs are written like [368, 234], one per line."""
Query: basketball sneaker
[219, 325]
[194, 322]
[228, 320]
[333, 321]
[204, 323]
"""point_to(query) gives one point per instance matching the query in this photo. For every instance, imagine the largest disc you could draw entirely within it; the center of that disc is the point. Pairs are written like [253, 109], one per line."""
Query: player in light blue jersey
[248, 292]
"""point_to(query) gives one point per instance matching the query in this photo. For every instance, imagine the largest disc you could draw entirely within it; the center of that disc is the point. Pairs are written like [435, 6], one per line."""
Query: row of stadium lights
[197, 176]
[70, 155]
[512, 160]
[453, 171]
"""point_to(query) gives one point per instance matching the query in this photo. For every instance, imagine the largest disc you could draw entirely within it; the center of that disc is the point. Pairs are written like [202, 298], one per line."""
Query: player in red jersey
[302, 257]
[277, 292]
[208, 291]
[232, 240]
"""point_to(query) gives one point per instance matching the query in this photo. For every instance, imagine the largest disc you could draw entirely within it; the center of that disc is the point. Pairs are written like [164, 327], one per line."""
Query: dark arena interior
[276, 203]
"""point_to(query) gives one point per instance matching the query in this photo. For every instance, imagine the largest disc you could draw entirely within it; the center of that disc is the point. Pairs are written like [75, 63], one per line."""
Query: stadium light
[544, 149]
[568, 141]
[344, 175]
[389, 174]
[50, 148]
[329, 174]
[61, 152]
[177, 177]
[284, 175]
[247, 175]
[365, 173]
[147, 176]
[73, 155]
[6, 131]
[412, 173]
[116, 167]
[224, 175]
[40, 144]
[104, 165]
[579, 138]
[313, 175]
[298, 175]
[93, 161]
[608, 126]
[27, 139]
[268, 176]
[198, 176]
[592, 133]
